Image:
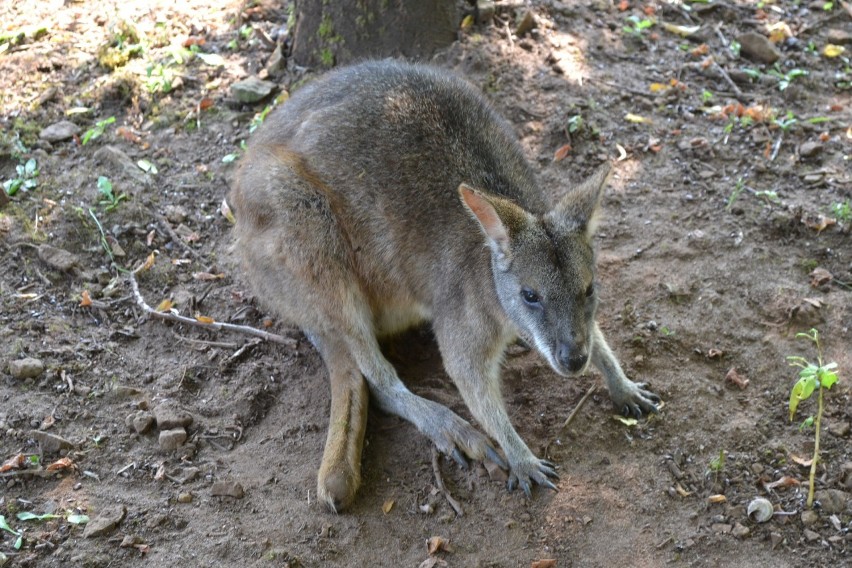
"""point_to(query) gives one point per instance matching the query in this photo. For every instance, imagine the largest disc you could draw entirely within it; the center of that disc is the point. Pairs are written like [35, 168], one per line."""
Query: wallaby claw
[492, 455]
[539, 471]
[639, 401]
[459, 458]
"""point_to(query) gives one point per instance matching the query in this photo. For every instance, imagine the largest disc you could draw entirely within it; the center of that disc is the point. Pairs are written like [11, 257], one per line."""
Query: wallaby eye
[590, 291]
[531, 298]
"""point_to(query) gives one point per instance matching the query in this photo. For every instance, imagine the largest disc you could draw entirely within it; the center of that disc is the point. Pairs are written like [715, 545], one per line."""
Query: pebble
[251, 90]
[276, 64]
[839, 36]
[50, 443]
[105, 522]
[810, 149]
[28, 368]
[59, 131]
[758, 48]
[185, 497]
[227, 489]
[119, 160]
[776, 539]
[810, 535]
[832, 500]
[526, 23]
[839, 429]
[58, 258]
[130, 540]
[169, 415]
[140, 421]
[171, 440]
[741, 530]
[722, 528]
[484, 11]
[809, 517]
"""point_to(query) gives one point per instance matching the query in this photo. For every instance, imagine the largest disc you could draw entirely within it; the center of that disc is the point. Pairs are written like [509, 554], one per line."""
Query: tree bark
[335, 32]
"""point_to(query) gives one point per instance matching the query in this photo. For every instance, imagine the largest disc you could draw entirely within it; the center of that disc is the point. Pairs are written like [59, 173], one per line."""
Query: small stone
[757, 468]
[525, 517]
[57, 258]
[185, 497]
[721, 528]
[839, 36]
[50, 443]
[741, 530]
[119, 160]
[188, 474]
[809, 518]
[169, 415]
[526, 23]
[130, 541]
[251, 90]
[810, 149]
[171, 440]
[175, 214]
[276, 64]
[838, 428]
[105, 522]
[758, 48]
[59, 131]
[832, 500]
[776, 539]
[484, 11]
[227, 489]
[28, 368]
[495, 472]
[810, 535]
[142, 421]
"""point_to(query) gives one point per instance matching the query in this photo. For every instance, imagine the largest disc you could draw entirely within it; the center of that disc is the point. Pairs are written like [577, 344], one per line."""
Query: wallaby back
[385, 194]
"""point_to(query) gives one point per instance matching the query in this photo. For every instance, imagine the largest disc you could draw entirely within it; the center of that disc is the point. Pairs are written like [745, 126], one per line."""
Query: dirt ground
[725, 234]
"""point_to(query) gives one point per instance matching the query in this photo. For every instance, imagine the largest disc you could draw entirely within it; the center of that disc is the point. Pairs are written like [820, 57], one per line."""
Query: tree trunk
[335, 32]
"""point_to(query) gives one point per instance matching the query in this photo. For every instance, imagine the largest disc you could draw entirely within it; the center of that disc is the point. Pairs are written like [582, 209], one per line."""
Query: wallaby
[386, 194]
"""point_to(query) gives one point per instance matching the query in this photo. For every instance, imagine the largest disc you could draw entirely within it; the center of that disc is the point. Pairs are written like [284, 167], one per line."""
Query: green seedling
[159, 78]
[787, 122]
[575, 124]
[25, 178]
[717, 464]
[812, 377]
[258, 118]
[842, 211]
[666, 331]
[785, 79]
[5, 526]
[735, 194]
[636, 26]
[70, 516]
[706, 96]
[735, 47]
[768, 196]
[110, 200]
[97, 130]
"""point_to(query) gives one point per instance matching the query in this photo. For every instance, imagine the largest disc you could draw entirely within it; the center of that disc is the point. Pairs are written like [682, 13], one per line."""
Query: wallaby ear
[498, 218]
[579, 210]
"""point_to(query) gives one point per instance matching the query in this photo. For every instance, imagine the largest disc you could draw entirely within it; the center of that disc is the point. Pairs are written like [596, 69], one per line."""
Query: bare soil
[715, 222]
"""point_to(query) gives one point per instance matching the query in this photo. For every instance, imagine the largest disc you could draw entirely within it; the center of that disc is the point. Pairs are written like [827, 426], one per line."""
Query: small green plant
[706, 96]
[735, 47]
[636, 26]
[110, 200]
[575, 124]
[717, 464]
[785, 79]
[97, 130]
[812, 377]
[25, 178]
[5, 526]
[787, 122]
[666, 331]
[735, 194]
[768, 196]
[842, 211]
[159, 78]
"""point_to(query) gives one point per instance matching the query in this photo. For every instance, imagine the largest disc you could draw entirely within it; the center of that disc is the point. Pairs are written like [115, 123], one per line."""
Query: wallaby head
[544, 268]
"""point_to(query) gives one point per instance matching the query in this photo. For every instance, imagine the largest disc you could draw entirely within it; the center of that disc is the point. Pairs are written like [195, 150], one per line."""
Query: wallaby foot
[532, 470]
[340, 472]
[627, 397]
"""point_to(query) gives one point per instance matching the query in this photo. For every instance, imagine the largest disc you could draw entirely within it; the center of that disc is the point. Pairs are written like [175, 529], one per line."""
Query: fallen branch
[439, 481]
[215, 326]
[564, 428]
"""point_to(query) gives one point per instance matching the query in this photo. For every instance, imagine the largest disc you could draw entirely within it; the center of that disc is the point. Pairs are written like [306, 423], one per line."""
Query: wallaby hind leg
[340, 473]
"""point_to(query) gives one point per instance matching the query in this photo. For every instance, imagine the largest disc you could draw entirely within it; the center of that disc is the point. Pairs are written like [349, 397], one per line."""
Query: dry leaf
[832, 50]
[657, 87]
[804, 462]
[627, 421]
[682, 31]
[60, 464]
[164, 306]
[784, 483]
[544, 563]
[431, 562]
[15, 462]
[622, 153]
[820, 277]
[226, 212]
[48, 421]
[717, 499]
[149, 239]
[715, 353]
[86, 300]
[267, 322]
[636, 119]
[204, 319]
[437, 544]
[206, 276]
[681, 491]
[193, 40]
[149, 262]
[388, 505]
[128, 134]
[818, 222]
[161, 473]
[700, 51]
[562, 153]
[181, 261]
[735, 378]
[205, 103]
[467, 22]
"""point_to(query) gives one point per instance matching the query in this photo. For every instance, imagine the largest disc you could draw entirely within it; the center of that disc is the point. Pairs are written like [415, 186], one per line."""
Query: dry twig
[589, 393]
[439, 481]
[215, 326]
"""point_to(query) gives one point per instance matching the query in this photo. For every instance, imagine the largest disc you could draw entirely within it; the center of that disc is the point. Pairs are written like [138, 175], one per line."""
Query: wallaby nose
[575, 359]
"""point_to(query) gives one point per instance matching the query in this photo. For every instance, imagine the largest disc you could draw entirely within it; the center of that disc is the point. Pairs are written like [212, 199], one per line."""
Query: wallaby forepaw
[462, 442]
[636, 400]
[538, 471]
